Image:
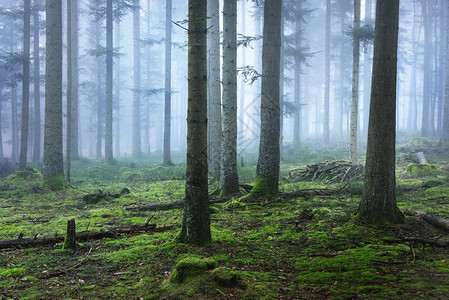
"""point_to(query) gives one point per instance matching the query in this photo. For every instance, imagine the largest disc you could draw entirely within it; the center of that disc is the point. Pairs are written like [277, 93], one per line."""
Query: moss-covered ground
[301, 248]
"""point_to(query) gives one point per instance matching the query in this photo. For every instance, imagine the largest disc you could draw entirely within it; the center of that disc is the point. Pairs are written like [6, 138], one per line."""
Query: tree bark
[214, 93]
[426, 122]
[167, 110]
[228, 170]
[69, 91]
[297, 94]
[36, 83]
[355, 82]
[25, 84]
[378, 204]
[109, 77]
[430, 218]
[117, 88]
[196, 222]
[53, 158]
[327, 67]
[136, 137]
[267, 181]
[74, 132]
[445, 130]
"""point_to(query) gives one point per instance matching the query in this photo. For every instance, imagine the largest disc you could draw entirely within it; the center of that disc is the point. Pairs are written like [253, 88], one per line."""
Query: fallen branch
[414, 240]
[112, 232]
[172, 205]
[309, 193]
[332, 171]
[429, 218]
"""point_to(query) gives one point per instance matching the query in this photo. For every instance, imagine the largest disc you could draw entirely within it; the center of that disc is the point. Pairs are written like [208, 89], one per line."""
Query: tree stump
[70, 240]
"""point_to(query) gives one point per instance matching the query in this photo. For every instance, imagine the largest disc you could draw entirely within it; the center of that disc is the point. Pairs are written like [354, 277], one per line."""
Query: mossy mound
[56, 182]
[27, 174]
[190, 267]
[420, 169]
[225, 277]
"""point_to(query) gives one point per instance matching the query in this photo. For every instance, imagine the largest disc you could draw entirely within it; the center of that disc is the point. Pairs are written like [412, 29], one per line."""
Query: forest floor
[308, 247]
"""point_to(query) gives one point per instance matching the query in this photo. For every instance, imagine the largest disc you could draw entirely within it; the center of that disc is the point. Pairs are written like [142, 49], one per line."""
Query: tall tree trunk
[297, 95]
[167, 110]
[109, 77]
[378, 204]
[148, 71]
[25, 84]
[367, 66]
[441, 65]
[214, 92]
[52, 171]
[241, 109]
[267, 181]
[355, 82]
[1, 131]
[117, 93]
[229, 183]
[36, 84]
[69, 90]
[327, 73]
[137, 136]
[196, 222]
[445, 130]
[14, 130]
[100, 97]
[74, 140]
[281, 82]
[425, 129]
[339, 104]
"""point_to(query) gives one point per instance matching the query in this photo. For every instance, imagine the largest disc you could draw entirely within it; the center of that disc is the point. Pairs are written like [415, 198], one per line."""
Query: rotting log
[111, 232]
[414, 240]
[429, 218]
[70, 239]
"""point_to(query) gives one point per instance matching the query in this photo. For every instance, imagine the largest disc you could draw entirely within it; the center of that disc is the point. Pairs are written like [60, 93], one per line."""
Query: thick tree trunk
[327, 68]
[36, 84]
[379, 199]
[228, 170]
[267, 182]
[25, 84]
[53, 173]
[196, 222]
[109, 77]
[214, 92]
[69, 90]
[355, 82]
[167, 110]
[136, 136]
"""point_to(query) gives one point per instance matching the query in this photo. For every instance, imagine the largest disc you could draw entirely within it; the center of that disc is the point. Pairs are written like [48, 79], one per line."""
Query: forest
[224, 149]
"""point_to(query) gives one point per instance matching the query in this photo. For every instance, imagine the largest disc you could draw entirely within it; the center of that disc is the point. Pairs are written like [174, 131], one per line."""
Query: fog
[420, 92]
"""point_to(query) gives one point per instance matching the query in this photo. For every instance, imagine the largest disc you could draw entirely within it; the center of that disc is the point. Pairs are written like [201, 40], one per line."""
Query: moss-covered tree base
[379, 217]
[265, 188]
[55, 183]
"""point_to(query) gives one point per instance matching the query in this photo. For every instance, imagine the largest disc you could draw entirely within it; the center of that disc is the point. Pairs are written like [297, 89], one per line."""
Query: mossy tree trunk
[136, 136]
[53, 159]
[108, 152]
[267, 182]
[196, 222]
[70, 239]
[378, 205]
[25, 84]
[355, 82]
[167, 110]
[214, 88]
[229, 183]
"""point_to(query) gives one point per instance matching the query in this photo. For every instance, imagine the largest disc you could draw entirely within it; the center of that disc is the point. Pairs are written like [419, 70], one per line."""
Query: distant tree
[267, 181]
[117, 88]
[327, 67]
[427, 127]
[214, 91]
[136, 135]
[445, 130]
[196, 222]
[355, 82]
[108, 152]
[74, 132]
[25, 84]
[229, 183]
[53, 173]
[36, 81]
[69, 91]
[378, 204]
[167, 110]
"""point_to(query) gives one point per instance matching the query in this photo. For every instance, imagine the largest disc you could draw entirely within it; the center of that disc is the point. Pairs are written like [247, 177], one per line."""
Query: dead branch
[414, 240]
[429, 218]
[332, 171]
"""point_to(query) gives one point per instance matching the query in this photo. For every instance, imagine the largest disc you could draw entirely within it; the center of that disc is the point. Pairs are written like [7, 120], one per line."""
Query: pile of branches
[332, 171]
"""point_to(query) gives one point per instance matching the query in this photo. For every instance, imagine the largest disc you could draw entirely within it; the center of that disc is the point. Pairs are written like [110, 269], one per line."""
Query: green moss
[225, 277]
[190, 267]
[56, 182]
[420, 169]
[265, 188]
[12, 272]
[133, 255]
[27, 174]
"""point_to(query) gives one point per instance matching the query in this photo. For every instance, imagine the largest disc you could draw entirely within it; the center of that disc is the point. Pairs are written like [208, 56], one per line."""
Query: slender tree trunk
[441, 65]
[339, 111]
[214, 93]
[355, 82]
[1, 131]
[25, 84]
[445, 130]
[297, 95]
[228, 172]
[117, 93]
[74, 132]
[196, 222]
[267, 181]
[148, 112]
[53, 172]
[167, 111]
[109, 77]
[327, 73]
[69, 90]
[137, 135]
[367, 66]
[100, 97]
[36, 84]
[14, 130]
[425, 129]
[378, 204]
[241, 125]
